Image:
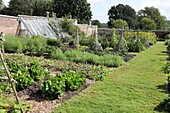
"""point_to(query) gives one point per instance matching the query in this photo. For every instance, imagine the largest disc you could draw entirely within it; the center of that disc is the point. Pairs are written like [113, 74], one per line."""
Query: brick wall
[88, 29]
[8, 24]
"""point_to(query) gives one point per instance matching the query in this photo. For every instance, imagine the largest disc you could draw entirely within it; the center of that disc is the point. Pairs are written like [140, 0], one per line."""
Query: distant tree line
[77, 9]
[124, 16]
[120, 16]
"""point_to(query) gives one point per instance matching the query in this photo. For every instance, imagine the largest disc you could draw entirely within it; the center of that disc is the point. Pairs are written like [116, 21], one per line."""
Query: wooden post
[10, 78]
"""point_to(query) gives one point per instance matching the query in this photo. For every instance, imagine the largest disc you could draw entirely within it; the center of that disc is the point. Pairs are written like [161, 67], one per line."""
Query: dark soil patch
[32, 95]
[129, 57]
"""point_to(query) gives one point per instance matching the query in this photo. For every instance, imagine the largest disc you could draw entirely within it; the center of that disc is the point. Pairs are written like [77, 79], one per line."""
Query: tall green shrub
[12, 44]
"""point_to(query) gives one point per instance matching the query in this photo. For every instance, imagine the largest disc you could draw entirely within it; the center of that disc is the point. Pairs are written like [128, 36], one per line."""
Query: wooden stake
[10, 78]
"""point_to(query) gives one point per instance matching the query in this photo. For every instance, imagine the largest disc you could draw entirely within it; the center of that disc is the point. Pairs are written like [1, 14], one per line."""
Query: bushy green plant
[90, 71]
[53, 42]
[167, 36]
[166, 68]
[146, 38]
[78, 56]
[69, 27]
[53, 88]
[58, 54]
[25, 76]
[37, 45]
[23, 80]
[86, 41]
[36, 71]
[111, 60]
[167, 42]
[12, 44]
[8, 105]
[73, 80]
[135, 45]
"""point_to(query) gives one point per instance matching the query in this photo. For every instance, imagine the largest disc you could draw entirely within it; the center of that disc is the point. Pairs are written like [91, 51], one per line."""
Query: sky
[100, 8]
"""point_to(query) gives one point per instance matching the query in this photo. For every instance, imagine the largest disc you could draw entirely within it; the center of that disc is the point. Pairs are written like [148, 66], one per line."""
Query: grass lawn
[136, 87]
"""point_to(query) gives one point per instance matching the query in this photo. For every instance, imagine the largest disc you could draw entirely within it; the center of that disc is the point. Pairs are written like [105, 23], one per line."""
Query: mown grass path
[136, 87]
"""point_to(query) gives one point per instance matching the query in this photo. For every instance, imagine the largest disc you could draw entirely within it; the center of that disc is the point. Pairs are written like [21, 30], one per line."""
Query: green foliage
[96, 22]
[25, 76]
[69, 27]
[37, 45]
[114, 41]
[54, 88]
[90, 71]
[124, 12]
[120, 24]
[138, 41]
[147, 24]
[111, 60]
[86, 41]
[135, 45]
[155, 15]
[53, 42]
[23, 80]
[8, 105]
[36, 71]
[20, 75]
[128, 89]
[13, 44]
[166, 68]
[73, 80]
[167, 36]
[58, 54]
[1, 5]
[21, 7]
[78, 9]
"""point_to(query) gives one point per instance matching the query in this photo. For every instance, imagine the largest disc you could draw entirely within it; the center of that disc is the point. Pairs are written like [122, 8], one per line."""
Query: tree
[119, 24]
[27, 7]
[147, 24]
[124, 12]
[154, 14]
[78, 9]
[96, 22]
[1, 5]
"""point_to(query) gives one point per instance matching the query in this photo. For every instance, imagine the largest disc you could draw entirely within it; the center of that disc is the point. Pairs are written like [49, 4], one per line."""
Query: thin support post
[10, 78]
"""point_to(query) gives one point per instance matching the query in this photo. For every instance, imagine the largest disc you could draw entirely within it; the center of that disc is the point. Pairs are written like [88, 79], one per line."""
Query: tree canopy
[96, 22]
[120, 24]
[1, 4]
[154, 14]
[124, 12]
[147, 24]
[78, 9]
[28, 7]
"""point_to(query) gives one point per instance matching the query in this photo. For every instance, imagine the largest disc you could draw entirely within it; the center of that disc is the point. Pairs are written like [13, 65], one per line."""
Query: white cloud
[6, 2]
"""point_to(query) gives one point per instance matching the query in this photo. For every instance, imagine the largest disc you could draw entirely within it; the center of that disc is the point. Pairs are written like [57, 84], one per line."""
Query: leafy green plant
[90, 71]
[58, 54]
[36, 71]
[36, 44]
[73, 80]
[86, 41]
[8, 105]
[111, 60]
[166, 68]
[23, 80]
[53, 42]
[53, 88]
[12, 44]
[69, 27]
